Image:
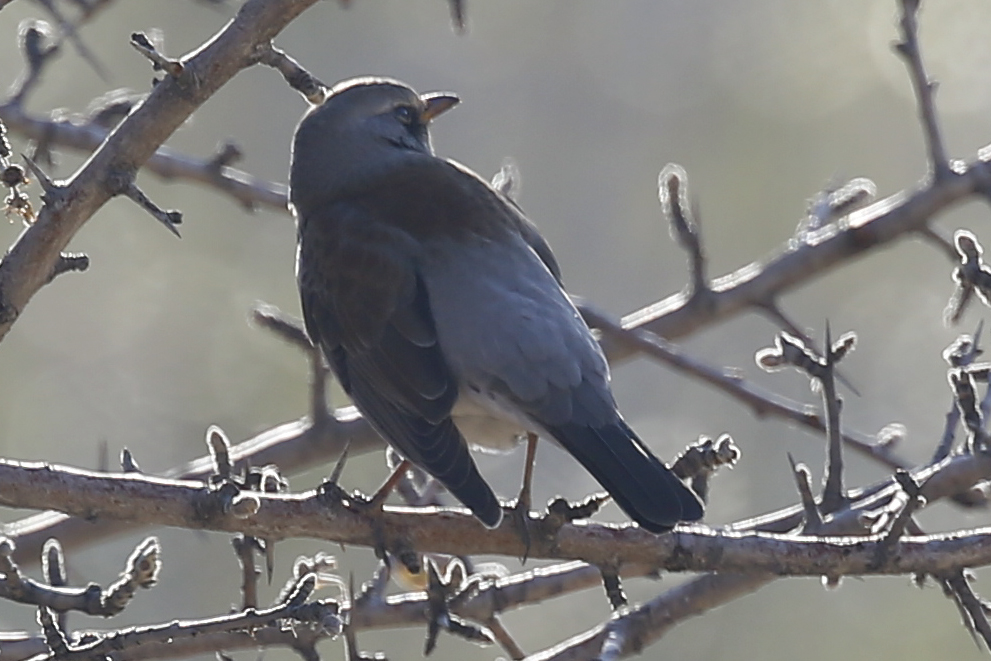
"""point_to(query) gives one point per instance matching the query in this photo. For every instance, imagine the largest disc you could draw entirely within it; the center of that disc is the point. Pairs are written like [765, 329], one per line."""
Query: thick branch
[32, 259]
[147, 500]
[797, 262]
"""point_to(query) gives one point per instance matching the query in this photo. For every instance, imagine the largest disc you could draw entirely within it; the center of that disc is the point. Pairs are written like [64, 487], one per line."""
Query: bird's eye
[405, 114]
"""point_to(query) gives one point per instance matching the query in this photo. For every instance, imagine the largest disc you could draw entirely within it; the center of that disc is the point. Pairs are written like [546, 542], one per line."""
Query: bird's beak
[436, 103]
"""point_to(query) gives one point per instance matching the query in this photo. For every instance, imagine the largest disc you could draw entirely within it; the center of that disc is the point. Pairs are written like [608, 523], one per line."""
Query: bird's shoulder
[431, 198]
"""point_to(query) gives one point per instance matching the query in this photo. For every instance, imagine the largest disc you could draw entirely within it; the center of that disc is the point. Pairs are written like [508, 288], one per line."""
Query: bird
[441, 309]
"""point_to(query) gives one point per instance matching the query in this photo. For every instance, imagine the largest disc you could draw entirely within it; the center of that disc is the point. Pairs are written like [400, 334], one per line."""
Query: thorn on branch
[803, 480]
[128, 463]
[144, 45]
[51, 192]
[672, 184]
[298, 78]
[335, 475]
[168, 218]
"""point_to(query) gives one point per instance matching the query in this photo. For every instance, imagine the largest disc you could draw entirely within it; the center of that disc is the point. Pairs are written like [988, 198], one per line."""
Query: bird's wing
[507, 329]
[365, 305]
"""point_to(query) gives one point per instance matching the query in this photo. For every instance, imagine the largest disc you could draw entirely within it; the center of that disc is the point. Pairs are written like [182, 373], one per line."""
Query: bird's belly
[486, 424]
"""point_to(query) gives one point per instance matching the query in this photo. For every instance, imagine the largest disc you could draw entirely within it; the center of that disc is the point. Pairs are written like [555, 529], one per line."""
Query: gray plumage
[432, 297]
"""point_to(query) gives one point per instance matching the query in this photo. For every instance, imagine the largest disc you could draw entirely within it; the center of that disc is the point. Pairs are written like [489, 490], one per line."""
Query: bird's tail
[638, 481]
[475, 494]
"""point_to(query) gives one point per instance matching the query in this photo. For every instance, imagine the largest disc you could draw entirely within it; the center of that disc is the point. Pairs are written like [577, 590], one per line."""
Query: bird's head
[363, 124]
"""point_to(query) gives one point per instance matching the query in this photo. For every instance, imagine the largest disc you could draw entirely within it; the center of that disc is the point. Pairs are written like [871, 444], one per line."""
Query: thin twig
[908, 48]
[833, 494]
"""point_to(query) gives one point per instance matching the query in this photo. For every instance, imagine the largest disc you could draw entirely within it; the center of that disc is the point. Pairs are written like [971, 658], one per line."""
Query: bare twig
[908, 48]
[972, 609]
[803, 480]
[28, 264]
[672, 186]
[142, 44]
[833, 493]
[298, 78]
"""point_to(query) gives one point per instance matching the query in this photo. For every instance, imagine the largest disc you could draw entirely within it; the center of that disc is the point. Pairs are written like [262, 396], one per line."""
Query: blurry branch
[85, 136]
[480, 601]
[31, 261]
[310, 620]
[321, 437]
[141, 572]
[761, 401]
[924, 88]
[293, 446]
[754, 285]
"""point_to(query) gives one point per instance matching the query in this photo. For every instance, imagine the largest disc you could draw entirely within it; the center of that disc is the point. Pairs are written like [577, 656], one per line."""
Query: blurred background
[764, 103]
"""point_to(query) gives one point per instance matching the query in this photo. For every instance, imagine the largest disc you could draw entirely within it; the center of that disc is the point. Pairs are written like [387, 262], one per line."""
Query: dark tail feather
[640, 484]
[437, 448]
[475, 494]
